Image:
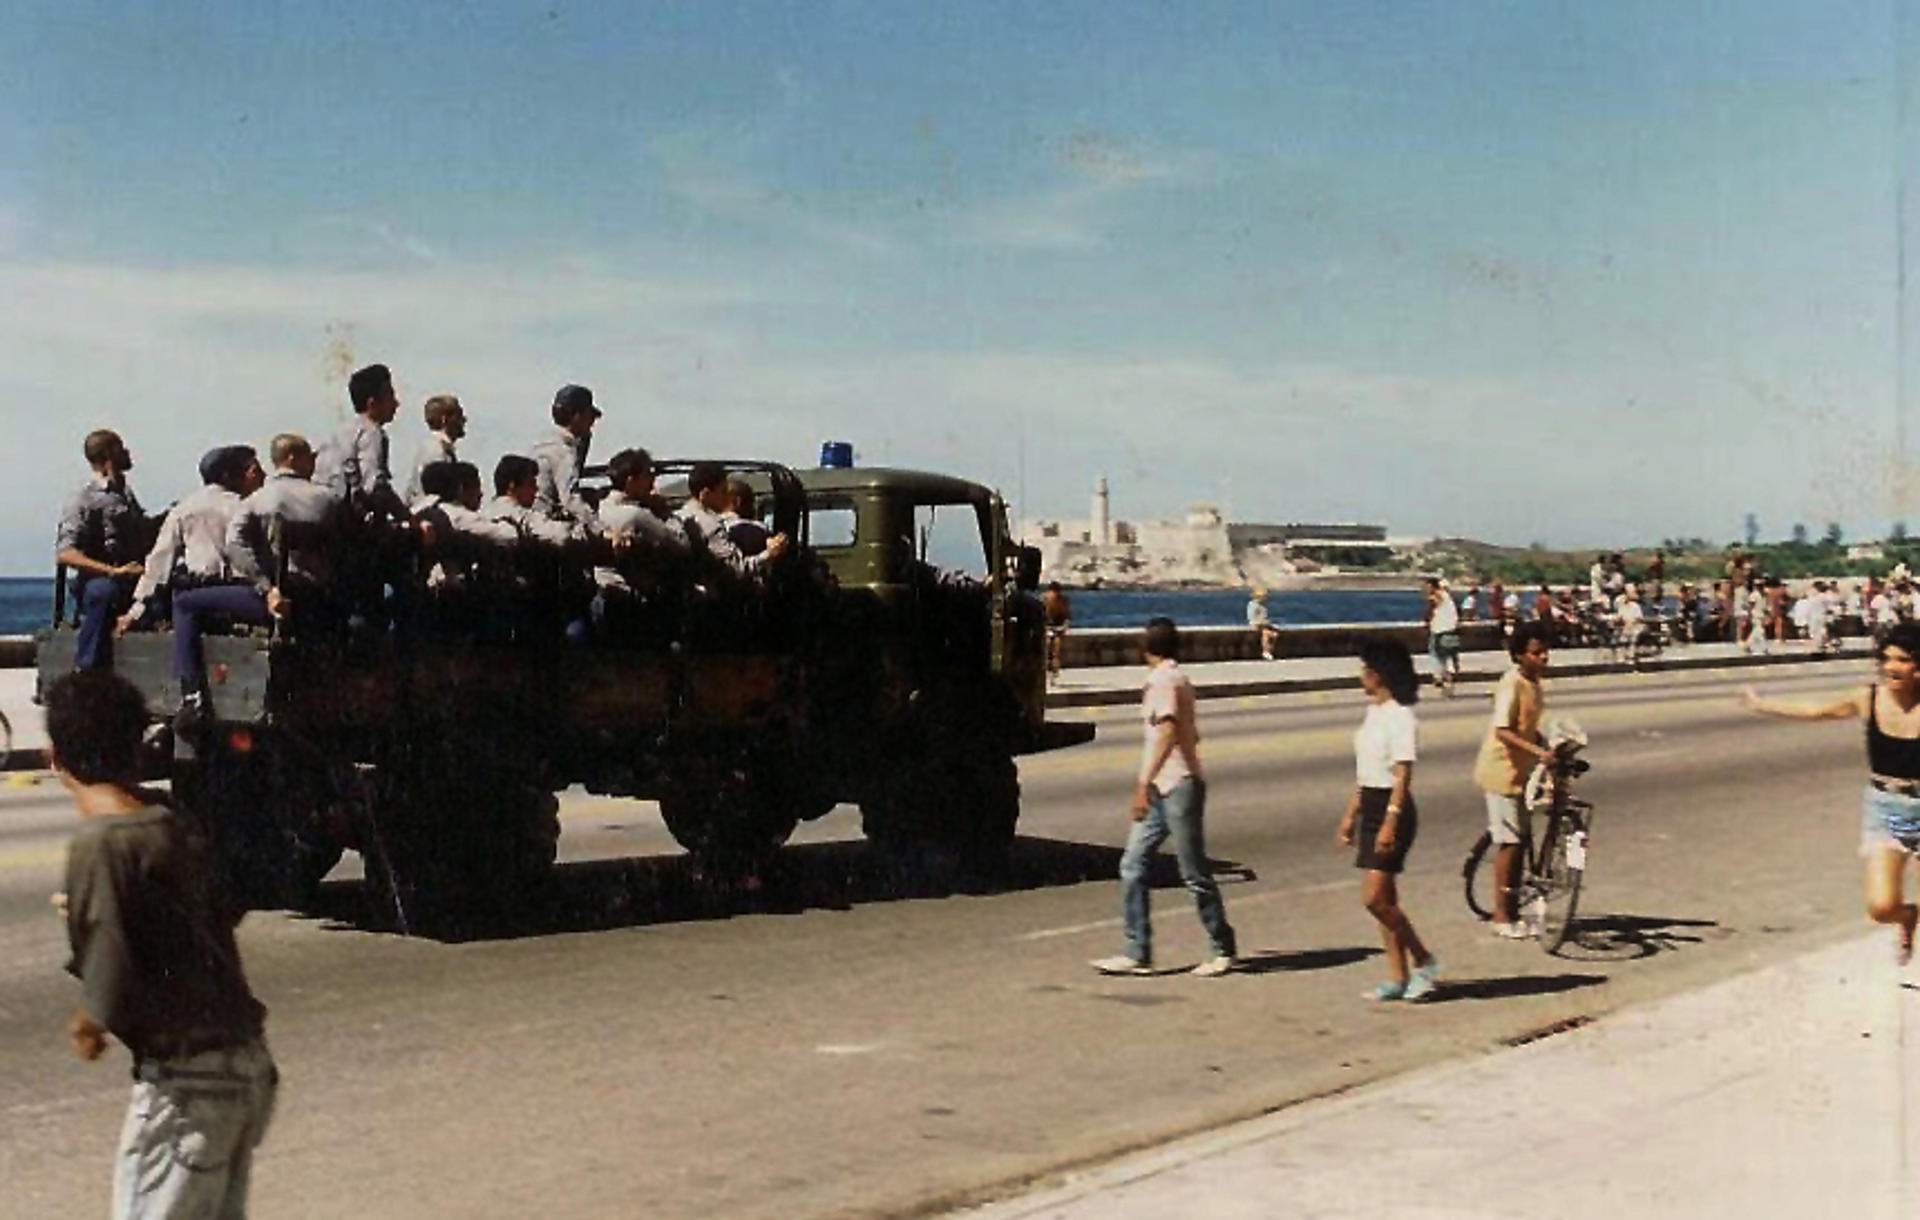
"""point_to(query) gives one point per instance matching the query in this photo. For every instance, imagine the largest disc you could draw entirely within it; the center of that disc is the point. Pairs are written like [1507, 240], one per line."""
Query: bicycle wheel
[1557, 883]
[1476, 875]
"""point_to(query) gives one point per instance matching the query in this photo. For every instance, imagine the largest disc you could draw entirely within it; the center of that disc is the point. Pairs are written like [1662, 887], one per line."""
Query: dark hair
[744, 501]
[705, 475]
[627, 463]
[442, 479]
[511, 469]
[100, 445]
[465, 475]
[1901, 635]
[1391, 660]
[572, 400]
[95, 720]
[1526, 633]
[1162, 639]
[367, 384]
[226, 465]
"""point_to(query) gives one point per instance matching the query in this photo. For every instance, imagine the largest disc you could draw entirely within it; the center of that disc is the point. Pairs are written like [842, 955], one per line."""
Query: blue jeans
[102, 599]
[241, 603]
[1177, 815]
[186, 1148]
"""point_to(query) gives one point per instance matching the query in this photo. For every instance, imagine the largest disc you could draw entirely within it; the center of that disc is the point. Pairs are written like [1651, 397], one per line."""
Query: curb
[1110, 697]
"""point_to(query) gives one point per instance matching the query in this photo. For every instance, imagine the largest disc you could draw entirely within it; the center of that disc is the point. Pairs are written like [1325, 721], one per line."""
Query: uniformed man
[708, 498]
[744, 527]
[191, 550]
[446, 424]
[463, 539]
[103, 533]
[562, 454]
[354, 463]
[516, 485]
[291, 497]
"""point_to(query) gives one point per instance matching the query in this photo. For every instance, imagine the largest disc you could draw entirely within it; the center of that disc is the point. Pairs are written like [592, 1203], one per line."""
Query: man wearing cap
[354, 464]
[103, 533]
[562, 454]
[191, 550]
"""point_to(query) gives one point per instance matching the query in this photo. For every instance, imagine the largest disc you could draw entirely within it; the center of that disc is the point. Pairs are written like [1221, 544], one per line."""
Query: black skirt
[1373, 812]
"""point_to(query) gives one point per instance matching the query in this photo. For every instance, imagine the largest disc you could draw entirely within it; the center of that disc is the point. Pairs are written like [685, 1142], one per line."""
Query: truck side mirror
[1026, 569]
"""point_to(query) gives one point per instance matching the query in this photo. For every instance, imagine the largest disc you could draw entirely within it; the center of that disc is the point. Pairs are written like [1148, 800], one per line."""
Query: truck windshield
[947, 536]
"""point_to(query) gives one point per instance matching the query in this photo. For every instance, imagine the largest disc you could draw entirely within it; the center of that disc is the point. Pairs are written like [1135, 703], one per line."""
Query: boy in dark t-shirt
[154, 951]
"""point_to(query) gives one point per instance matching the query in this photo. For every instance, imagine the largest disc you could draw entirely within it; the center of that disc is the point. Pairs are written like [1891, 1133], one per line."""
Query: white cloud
[181, 359]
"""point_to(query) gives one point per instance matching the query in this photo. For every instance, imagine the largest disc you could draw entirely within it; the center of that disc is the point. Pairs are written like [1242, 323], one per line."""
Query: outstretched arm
[1846, 709]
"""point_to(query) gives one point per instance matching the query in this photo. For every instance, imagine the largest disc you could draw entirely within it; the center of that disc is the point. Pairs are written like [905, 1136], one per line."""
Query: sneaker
[1511, 931]
[1121, 964]
[1386, 993]
[1213, 967]
[1425, 981]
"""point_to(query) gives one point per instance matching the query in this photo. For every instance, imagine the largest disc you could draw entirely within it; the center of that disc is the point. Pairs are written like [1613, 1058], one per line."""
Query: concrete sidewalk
[1781, 1093]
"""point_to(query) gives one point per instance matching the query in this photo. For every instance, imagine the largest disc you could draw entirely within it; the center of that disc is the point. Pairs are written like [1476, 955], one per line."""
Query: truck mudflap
[1054, 735]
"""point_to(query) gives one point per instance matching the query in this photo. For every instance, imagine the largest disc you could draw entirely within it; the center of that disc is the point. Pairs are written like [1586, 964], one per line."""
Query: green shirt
[152, 942]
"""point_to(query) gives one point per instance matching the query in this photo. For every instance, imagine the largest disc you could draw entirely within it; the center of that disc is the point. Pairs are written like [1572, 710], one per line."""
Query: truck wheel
[950, 809]
[733, 830]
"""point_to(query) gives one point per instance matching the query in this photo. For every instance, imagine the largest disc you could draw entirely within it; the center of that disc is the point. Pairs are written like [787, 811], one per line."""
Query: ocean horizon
[26, 606]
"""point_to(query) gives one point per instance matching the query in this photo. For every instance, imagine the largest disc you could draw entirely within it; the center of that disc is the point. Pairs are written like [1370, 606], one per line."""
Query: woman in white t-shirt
[1381, 821]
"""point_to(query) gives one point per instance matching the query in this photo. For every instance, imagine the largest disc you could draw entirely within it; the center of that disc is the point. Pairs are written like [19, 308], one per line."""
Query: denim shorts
[1888, 819]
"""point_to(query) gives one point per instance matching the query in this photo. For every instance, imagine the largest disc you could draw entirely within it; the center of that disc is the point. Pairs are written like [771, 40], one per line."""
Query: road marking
[849, 1048]
[1266, 896]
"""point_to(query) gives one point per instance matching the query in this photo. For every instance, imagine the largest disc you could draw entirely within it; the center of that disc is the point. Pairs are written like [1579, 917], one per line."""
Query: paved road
[834, 1049]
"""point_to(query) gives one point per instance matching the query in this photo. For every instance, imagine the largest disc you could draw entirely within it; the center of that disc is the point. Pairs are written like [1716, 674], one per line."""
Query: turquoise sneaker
[1386, 992]
[1425, 981]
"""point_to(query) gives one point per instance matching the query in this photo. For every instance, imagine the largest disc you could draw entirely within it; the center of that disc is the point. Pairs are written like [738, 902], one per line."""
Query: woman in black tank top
[1890, 803]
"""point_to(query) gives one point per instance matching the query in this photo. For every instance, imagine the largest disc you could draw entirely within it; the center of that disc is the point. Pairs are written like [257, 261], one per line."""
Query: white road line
[1268, 896]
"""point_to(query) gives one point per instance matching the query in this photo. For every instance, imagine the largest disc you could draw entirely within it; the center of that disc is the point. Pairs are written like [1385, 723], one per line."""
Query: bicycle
[1552, 866]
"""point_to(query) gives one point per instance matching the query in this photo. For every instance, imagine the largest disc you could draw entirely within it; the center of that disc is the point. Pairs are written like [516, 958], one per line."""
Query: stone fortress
[1204, 550]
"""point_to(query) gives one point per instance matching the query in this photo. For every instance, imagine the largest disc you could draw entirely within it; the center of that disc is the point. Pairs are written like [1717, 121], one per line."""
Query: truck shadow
[641, 891]
[1625, 938]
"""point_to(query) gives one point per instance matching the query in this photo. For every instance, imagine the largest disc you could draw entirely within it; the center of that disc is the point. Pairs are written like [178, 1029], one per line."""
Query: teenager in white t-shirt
[1381, 821]
[1169, 801]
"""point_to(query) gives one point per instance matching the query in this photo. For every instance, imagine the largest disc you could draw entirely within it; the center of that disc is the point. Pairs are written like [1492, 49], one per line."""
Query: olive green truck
[894, 658]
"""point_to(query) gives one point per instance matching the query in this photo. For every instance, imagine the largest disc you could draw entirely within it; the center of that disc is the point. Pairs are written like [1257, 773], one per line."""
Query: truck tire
[954, 806]
[733, 828]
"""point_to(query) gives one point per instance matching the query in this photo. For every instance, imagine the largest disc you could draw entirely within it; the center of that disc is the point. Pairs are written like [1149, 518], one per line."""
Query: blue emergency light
[836, 455]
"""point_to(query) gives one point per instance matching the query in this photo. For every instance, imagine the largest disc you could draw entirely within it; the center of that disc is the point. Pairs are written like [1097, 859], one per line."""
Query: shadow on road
[1623, 938]
[597, 895]
[1510, 988]
[1275, 961]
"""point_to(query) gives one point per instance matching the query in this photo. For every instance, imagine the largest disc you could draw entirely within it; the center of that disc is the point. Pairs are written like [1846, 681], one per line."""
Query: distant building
[1201, 548]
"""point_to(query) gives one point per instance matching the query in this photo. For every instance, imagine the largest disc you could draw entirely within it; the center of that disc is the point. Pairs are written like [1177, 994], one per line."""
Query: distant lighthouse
[1102, 530]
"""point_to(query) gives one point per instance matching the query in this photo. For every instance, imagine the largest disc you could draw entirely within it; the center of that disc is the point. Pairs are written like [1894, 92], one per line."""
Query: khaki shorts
[1508, 817]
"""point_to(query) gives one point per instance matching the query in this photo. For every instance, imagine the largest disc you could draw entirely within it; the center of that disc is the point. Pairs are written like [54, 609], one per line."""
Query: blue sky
[1590, 274]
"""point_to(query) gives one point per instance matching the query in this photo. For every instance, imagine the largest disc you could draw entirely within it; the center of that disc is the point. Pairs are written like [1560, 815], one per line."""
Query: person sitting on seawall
[707, 499]
[446, 424]
[103, 533]
[191, 550]
[1262, 626]
[290, 497]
